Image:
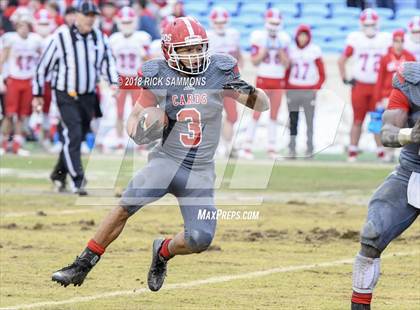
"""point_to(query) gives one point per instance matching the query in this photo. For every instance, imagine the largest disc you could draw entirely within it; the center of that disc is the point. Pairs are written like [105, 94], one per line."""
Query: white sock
[366, 273]
[272, 135]
[251, 130]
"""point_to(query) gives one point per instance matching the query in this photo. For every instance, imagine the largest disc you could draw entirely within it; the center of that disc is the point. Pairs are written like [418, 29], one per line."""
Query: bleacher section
[331, 20]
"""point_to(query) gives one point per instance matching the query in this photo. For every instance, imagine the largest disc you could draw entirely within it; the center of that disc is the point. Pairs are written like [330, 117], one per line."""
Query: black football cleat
[355, 306]
[76, 272]
[59, 183]
[157, 271]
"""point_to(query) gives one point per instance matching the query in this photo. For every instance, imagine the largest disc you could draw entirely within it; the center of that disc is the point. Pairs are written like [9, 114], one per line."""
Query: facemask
[370, 30]
[272, 28]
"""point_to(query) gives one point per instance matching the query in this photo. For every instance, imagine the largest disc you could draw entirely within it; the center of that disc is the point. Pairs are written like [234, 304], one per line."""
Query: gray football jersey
[194, 105]
[409, 84]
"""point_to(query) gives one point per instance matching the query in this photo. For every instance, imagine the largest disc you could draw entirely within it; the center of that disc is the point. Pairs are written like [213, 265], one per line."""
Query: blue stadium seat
[251, 17]
[315, 10]
[345, 12]
[407, 13]
[195, 8]
[391, 25]
[287, 9]
[232, 6]
[405, 4]
[254, 7]
[385, 13]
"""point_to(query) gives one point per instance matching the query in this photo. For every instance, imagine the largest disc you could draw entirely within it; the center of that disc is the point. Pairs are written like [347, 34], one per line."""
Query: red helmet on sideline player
[44, 23]
[127, 20]
[273, 21]
[369, 20]
[185, 32]
[219, 17]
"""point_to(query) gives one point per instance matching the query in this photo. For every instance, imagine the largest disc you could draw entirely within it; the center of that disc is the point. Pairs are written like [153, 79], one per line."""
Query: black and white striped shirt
[77, 61]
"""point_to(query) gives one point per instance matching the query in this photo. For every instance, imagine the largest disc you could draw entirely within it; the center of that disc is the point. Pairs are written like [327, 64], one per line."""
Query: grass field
[297, 255]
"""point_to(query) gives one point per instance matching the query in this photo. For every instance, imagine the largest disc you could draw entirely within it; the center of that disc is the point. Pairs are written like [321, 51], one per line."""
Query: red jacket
[388, 66]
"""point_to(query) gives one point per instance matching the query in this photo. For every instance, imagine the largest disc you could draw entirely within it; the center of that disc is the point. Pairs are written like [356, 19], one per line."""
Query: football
[153, 114]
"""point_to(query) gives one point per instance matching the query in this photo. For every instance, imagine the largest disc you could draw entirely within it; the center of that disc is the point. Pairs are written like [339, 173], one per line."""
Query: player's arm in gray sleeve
[394, 132]
[246, 94]
[136, 128]
[393, 122]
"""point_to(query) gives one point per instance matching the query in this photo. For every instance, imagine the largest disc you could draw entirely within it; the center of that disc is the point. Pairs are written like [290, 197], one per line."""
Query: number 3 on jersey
[193, 117]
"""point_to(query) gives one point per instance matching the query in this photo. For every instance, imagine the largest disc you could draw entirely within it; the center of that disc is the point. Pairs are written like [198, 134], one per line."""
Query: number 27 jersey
[194, 106]
[367, 53]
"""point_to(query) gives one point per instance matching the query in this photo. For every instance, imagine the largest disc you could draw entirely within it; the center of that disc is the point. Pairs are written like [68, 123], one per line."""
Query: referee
[77, 55]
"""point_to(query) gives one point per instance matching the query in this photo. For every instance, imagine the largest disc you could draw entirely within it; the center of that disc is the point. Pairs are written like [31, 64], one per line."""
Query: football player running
[130, 49]
[412, 44]
[396, 203]
[366, 47]
[182, 163]
[226, 40]
[269, 55]
[20, 52]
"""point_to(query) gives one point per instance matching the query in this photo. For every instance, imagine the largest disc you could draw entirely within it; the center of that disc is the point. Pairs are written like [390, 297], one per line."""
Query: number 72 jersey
[366, 53]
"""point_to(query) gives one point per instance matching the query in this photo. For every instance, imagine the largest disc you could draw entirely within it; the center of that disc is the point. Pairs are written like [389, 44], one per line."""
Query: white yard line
[212, 280]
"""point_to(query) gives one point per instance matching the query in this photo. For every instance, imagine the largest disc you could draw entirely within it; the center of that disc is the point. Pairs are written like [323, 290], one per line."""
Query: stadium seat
[385, 13]
[391, 25]
[253, 7]
[405, 4]
[314, 10]
[195, 8]
[345, 12]
[252, 17]
[287, 9]
[231, 6]
[407, 13]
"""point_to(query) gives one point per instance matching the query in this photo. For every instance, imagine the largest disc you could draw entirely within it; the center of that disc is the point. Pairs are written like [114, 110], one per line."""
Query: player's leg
[253, 124]
[120, 100]
[380, 150]
[309, 110]
[145, 187]
[46, 142]
[293, 107]
[10, 111]
[59, 174]
[72, 137]
[24, 111]
[389, 215]
[275, 96]
[360, 106]
[195, 195]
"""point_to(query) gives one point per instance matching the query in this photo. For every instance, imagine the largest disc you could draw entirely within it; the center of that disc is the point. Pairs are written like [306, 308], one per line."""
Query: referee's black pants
[76, 114]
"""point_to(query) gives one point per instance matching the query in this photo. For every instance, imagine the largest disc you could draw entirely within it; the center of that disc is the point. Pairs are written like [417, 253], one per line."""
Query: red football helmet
[186, 32]
[127, 20]
[44, 22]
[219, 17]
[414, 29]
[273, 21]
[369, 22]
